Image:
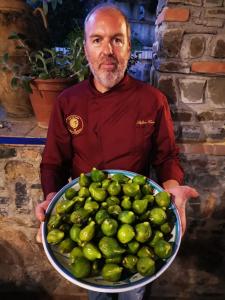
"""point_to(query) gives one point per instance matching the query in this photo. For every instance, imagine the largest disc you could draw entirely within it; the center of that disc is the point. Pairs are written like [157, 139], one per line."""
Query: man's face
[107, 48]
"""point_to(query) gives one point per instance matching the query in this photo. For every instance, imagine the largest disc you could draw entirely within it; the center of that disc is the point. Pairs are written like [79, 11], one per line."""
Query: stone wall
[189, 66]
[197, 273]
[25, 272]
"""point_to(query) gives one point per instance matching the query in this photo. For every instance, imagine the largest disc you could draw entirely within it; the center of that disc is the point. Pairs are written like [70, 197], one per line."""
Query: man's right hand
[40, 213]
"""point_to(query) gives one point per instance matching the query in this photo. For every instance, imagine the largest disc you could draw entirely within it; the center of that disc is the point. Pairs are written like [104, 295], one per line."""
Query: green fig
[111, 272]
[84, 180]
[126, 217]
[109, 227]
[146, 266]
[91, 252]
[125, 233]
[110, 247]
[81, 268]
[143, 232]
[87, 233]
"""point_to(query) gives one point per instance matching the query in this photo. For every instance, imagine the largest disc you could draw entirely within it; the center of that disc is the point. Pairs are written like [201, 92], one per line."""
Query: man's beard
[109, 78]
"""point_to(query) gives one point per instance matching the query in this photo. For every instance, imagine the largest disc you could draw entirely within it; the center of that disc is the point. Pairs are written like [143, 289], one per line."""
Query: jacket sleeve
[165, 158]
[57, 155]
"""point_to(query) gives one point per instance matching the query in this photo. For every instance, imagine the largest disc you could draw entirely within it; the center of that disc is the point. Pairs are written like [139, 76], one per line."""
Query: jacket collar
[124, 84]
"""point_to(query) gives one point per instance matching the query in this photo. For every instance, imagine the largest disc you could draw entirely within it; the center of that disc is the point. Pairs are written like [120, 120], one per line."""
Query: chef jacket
[128, 127]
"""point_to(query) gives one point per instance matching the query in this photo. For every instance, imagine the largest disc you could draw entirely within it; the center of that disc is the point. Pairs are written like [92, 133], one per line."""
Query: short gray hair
[106, 6]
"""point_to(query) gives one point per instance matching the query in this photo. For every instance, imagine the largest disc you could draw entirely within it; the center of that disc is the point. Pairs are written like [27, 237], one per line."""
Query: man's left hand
[181, 194]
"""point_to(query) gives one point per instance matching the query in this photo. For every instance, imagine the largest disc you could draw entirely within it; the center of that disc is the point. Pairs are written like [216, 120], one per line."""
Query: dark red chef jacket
[127, 128]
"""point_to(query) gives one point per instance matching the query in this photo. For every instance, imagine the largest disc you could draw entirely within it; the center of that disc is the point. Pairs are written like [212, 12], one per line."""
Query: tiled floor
[28, 127]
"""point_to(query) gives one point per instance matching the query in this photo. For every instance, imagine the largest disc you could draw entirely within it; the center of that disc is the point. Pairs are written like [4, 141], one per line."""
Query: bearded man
[111, 121]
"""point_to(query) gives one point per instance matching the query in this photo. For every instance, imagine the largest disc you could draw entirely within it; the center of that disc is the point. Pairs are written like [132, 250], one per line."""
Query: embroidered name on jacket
[75, 124]
[144, 122]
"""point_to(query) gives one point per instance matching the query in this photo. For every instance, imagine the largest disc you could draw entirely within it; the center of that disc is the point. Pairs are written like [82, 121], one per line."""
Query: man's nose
[107, 48]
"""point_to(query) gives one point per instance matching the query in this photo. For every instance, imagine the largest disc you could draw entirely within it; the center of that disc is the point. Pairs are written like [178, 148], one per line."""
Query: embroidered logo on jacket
[75, 124]
[145, 122]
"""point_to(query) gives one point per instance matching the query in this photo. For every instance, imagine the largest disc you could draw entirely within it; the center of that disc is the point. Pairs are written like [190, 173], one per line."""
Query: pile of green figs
[112, 226]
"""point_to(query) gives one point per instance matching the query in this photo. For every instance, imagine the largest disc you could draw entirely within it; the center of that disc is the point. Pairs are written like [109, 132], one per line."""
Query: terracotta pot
[17, 16]
[44, 94]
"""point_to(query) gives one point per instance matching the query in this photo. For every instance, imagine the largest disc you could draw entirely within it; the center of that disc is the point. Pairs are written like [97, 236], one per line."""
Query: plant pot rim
[13, 5]
[62, 79]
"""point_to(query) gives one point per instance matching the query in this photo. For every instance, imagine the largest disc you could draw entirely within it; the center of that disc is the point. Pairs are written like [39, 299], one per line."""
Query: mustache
[108, 60]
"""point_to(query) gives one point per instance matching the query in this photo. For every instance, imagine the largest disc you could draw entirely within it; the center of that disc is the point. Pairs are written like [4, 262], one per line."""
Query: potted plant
[17, 16]
[47, 73]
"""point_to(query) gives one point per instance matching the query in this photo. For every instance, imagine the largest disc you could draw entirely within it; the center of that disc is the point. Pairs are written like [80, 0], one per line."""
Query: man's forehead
[105, 20]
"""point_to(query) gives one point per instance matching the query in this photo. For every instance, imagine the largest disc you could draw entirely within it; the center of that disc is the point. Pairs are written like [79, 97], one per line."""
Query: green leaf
[14, 83]
[54, 4]
[20, 47]
[21, 36]
[5, 58]
[4, 69]
[45, 7]
[16, 36]
[16, 68]
[26, 86]
[13, 36]
[50, 51]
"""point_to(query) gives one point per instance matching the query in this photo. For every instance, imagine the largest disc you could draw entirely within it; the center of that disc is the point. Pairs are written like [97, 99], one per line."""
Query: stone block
[173, 15]
[213, 3]
[215, 131]
[15, 169]
[208, 67]
[177, 130]
[197, 46]
[173, 66]
[4, 200]
[218, 13]
[208, 22]
[215, 92]
[167, 86]
[36, 186]
[2, 177]
[201, 29]
[7, 152]
[21, 195]
[193, 46]
[182, 116]
[3, 211]
[170, 42]
[30, 154]
[211, 115]
[191, 133]
[196, 13]
[153, 76]
[187, 2]
[160, 6]
[192, 90]
[218, 47]
[215, 150]
[4, 203]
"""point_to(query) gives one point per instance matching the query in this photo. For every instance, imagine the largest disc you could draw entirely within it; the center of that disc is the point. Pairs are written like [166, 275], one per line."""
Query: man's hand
[181, 195]
[40, 213]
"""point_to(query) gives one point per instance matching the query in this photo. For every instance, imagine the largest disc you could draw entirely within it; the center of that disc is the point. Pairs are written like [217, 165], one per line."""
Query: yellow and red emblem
[75, 124]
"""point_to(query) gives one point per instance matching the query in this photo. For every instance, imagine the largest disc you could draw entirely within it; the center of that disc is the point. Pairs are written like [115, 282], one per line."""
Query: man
[111, 121]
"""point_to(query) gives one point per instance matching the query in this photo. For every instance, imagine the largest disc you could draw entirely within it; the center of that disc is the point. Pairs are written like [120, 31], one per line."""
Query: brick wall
[189, 66]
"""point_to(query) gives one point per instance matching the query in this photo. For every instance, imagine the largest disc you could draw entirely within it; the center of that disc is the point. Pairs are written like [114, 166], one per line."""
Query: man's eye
[118, 41]
[96, 41]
